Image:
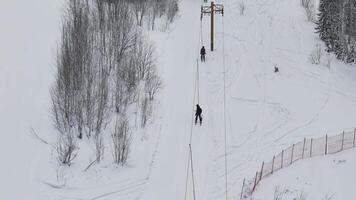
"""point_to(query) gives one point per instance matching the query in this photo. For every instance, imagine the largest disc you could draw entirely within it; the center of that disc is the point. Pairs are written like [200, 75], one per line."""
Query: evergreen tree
[322, 22]
[336, 26]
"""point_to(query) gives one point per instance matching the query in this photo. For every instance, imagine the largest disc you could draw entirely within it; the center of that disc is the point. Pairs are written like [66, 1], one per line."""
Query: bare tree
[144, 58]
[103, 63]
[316, 54]
[140, 8]
[66, 148]
[172, 10]
[152, 85]
[121, 139]
[146, 111]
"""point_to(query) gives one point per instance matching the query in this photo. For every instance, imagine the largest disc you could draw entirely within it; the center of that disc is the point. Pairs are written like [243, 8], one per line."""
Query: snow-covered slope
[29, 30]
[265, 111]
[317, 178]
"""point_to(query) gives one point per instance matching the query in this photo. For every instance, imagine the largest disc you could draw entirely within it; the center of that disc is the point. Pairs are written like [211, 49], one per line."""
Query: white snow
[29, 30]
[317, 178]
[266, 112]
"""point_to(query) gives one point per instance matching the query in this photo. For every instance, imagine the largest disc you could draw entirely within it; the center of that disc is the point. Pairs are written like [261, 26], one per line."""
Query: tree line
[336, 26]
[105, 72]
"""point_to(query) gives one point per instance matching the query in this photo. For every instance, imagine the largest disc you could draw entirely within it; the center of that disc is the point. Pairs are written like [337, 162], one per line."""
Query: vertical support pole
[342, 142]
[311, 147]
[192, 168]
[201, 13]
[263, 163]
[242, 189]
[282, 159]
[254, 185]
[212, 26]
[291, 158]
[326, 144]
[303, 148]
[354, 137]
[198, 86]
[273, 164]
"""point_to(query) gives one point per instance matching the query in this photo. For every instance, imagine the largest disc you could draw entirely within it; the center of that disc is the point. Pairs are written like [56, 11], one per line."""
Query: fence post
[311, 147]
[242, 189]
[282, 159]
[326, 144]
[342, 142]
[354, 137]
[291, 158]
[273, 164]
[263, 163]
[303, 148]
[254, 186]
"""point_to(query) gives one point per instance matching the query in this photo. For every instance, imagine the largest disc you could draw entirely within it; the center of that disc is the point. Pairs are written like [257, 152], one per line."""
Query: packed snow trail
[178, 61]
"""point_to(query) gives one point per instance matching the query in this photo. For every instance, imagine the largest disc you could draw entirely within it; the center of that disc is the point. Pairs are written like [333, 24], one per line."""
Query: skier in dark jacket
[202, 54]
[198, 113]
[276, 70]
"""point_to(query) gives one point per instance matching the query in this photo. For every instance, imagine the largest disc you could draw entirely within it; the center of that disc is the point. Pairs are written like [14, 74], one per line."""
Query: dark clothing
[198, 113]
[202, 58]
[276, 69]
[202, 51]
[200, 119]
[202, 54]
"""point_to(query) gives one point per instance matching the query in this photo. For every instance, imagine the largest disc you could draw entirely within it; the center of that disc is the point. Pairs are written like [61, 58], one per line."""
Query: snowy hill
[29, 31]
[266, 111]
[315, 179]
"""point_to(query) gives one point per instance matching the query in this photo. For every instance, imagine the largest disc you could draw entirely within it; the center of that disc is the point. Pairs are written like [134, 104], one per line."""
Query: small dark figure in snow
[205, 1]
[276, 70]
[202, 54]
[198, 113]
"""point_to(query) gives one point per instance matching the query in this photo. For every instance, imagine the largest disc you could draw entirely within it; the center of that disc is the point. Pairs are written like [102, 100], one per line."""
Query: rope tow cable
[224, 68]
[196, 96]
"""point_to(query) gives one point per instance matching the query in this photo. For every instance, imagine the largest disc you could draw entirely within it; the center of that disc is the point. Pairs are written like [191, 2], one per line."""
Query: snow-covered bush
[328, 197]
[66, 148]
[278, 193]
[242, 7]
[301, 196]
[329, 60]
[121, 139]
[316, 55]
[309, 8]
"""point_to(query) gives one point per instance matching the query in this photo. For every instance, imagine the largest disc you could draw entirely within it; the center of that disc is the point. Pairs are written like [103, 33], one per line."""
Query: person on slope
[198, 113]
[276, 70]
[202, 54]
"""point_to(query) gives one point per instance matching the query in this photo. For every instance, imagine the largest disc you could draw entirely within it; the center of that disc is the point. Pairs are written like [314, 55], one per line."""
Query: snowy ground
[316, 178]
[266, 112]
[29, 30]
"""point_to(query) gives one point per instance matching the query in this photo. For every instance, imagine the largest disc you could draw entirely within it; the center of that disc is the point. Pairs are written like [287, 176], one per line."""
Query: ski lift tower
[211, 10]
